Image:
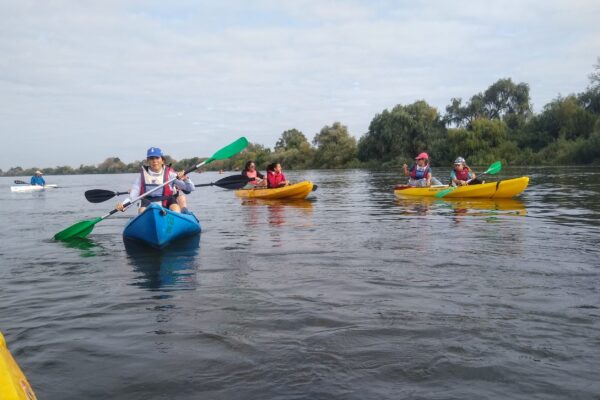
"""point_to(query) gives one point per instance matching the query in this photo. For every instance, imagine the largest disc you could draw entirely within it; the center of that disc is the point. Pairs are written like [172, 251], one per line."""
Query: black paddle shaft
[231, 182]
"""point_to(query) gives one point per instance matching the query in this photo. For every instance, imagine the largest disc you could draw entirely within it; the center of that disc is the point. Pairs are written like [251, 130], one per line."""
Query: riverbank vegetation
[496, 124]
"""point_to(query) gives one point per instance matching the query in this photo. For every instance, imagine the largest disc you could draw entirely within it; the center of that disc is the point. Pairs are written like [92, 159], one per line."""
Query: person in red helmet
[419, 174]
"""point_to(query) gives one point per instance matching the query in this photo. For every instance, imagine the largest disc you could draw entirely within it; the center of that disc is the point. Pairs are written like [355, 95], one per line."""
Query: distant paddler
[37, 180]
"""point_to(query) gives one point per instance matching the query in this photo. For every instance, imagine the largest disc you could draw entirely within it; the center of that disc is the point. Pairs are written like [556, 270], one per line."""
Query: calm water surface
[352, 294]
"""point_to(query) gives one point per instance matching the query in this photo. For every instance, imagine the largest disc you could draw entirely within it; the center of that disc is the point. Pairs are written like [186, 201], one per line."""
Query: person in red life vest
[256, 178]
[461, 174]
[275, 176]
[155, 174]
[419, 174]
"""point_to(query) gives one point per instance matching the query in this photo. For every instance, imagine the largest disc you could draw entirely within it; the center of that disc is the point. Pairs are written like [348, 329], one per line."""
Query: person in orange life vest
[153, 175]
[250, 172]
[461, 174]
[275, 176]
[419, 174]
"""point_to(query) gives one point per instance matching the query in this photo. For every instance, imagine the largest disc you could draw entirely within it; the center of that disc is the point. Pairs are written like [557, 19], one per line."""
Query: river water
[351, 294]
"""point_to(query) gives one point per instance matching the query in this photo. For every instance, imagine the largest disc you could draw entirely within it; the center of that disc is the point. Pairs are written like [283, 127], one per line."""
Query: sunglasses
[152, 158]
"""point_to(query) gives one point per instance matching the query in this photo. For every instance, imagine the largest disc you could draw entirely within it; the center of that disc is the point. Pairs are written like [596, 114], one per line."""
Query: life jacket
[274, 180]
[414, 174]
[149, 182]
[462, 175]
[252, 176]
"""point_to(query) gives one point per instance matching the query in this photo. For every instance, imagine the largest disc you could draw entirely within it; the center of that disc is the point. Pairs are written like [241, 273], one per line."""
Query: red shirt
[274, 179]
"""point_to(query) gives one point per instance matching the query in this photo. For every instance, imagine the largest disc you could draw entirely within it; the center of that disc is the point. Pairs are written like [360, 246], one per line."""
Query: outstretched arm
[405, 169]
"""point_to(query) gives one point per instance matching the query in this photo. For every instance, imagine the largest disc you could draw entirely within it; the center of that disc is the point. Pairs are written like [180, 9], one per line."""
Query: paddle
[83, 228]
[493, 169]
[231, 182]
[18, 182]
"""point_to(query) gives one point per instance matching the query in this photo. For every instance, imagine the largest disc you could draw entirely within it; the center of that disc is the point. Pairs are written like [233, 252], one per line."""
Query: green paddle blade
[494, 168]
[78, 230]
[444, 192]
[229, 150]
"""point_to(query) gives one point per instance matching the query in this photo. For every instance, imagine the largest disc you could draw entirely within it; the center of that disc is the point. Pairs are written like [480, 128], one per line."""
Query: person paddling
[250, 172]
[275, 176]
[37, 179]
[462, 175]
[153, 175]
[420, 173]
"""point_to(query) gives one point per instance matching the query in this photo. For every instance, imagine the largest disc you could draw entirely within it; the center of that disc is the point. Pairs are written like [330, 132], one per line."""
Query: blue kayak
[158, 226]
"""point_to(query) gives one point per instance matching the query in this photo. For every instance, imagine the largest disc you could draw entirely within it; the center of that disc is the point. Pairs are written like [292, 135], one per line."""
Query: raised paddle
[231, 182]
[493, 169]
[83, 228]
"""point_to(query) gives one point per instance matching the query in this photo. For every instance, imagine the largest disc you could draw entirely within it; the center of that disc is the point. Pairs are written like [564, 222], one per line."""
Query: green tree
[335, 147]
[481, 144]
[111, 165]
[291, 139]
[400, 134]
[293, 150]
[14, 171]
[562, 118]
[503, 100]
[590, 99]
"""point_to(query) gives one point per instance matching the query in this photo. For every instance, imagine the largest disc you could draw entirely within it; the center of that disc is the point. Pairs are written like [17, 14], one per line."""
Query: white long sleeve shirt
[188, 186]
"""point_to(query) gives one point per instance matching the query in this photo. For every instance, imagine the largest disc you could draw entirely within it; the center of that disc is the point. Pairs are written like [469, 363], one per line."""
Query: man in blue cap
[153, 175]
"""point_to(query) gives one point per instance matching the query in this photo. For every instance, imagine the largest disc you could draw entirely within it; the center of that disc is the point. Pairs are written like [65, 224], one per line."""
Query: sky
[81, 81]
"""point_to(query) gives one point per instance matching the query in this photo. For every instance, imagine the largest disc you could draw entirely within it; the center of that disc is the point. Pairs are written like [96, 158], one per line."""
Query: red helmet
[422, 156]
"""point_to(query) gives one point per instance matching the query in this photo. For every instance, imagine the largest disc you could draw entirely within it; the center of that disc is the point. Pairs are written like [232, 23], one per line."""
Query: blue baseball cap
[154, 152]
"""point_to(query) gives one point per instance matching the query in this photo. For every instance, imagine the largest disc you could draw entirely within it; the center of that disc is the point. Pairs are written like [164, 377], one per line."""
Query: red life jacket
[147, 184]
[274, 180]
[413, 172]
[462, 175]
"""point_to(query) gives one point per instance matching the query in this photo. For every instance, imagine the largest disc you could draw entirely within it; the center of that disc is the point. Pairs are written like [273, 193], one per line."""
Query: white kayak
[31, 188]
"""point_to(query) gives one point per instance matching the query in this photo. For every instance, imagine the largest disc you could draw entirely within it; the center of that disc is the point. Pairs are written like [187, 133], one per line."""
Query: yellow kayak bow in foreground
[13, 384]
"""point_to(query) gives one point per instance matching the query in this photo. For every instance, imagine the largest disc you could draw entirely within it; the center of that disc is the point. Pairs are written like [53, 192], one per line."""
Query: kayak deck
[31, 188]
[296, 191]
[158, 226]
[13, 384]
[494, 190]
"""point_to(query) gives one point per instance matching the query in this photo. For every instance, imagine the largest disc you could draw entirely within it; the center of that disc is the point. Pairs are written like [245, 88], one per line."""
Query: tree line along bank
[497, 124]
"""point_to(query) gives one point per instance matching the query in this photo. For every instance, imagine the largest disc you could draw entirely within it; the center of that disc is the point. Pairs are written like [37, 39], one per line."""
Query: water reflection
[471, 207]
[88, 247]
[279, 212]
[171, 268]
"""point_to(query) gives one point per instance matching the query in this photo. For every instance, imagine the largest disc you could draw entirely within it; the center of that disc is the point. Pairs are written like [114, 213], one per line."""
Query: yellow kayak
[292, 192]
[13, 384]
[493, 190]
